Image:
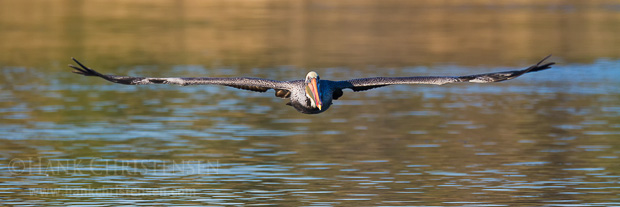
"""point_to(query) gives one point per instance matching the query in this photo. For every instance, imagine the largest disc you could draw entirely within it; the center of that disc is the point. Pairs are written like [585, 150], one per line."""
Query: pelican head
[312, 89]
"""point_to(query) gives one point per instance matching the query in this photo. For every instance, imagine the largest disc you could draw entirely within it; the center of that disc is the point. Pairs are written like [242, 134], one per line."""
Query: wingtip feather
[83, 70]
[543, 60]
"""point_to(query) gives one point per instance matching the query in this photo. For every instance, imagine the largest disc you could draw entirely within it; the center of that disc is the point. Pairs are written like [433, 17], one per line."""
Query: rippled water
[548, 138]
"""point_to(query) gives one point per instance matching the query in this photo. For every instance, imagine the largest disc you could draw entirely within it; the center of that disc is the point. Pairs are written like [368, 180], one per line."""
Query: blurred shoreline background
[307, 34]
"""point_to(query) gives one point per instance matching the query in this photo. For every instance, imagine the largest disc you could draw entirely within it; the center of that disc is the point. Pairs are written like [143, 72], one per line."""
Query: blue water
[547, 137]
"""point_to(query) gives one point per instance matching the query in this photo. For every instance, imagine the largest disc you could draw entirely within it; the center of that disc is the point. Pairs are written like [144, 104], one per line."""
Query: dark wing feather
[370, 83]
[252, 84]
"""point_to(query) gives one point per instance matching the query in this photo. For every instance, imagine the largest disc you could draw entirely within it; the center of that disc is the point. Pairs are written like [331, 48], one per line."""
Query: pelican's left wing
[370, 83]
[253, 84]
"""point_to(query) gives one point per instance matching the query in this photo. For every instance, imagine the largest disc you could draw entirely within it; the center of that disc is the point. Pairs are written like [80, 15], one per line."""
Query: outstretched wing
[252, 84]
[370, 83]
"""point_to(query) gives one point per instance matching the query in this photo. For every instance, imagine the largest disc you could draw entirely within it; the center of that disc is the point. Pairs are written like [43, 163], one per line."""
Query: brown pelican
[312, 95]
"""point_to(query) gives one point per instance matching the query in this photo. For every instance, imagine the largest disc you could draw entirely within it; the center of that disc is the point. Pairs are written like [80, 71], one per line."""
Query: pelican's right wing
[253, 84]
[370, 83]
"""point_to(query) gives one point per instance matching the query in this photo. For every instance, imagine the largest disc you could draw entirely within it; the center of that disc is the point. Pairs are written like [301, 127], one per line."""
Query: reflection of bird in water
[312, 95]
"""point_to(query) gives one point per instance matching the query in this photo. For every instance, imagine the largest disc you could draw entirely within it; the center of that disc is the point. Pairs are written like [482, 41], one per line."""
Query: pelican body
[312, 95]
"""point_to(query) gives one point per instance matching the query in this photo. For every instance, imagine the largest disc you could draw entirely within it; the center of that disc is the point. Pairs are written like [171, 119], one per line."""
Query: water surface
[547, 138]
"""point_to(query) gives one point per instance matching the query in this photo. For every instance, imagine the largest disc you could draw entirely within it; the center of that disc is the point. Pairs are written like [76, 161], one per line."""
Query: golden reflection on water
[547, 136]
[306, 34]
